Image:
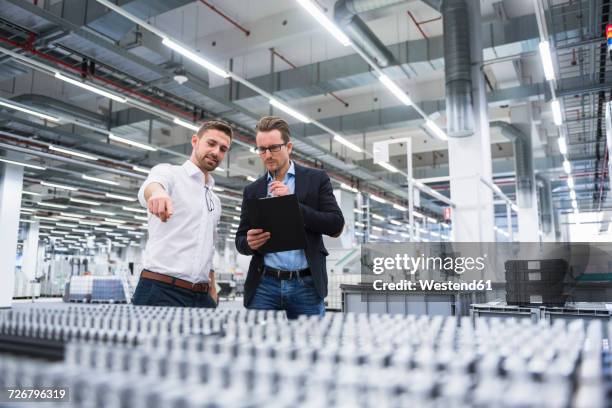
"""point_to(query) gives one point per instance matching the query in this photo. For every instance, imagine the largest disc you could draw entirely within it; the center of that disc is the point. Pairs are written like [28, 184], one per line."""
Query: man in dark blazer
[294, 281]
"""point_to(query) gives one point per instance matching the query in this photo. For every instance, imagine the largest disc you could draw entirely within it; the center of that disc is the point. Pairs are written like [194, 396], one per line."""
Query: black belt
[286, 275]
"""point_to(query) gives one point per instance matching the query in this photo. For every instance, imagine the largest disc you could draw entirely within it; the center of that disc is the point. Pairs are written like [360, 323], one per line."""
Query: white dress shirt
[183, 246]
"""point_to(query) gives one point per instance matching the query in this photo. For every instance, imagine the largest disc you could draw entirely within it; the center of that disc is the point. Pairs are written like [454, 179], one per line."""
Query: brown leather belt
[180, 283]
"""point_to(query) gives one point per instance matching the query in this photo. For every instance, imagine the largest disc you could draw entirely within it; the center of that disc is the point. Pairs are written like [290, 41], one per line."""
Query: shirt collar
[290, 171]
[192, 170]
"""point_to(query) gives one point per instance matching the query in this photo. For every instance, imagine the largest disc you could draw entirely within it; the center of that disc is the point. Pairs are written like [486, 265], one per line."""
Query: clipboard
[281, 216]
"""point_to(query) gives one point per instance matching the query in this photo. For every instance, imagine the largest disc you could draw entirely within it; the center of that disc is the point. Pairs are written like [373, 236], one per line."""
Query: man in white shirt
[183, 216]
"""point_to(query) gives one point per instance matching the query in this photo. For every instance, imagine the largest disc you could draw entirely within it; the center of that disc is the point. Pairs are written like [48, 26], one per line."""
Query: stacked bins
[536, 282]
[108, 289]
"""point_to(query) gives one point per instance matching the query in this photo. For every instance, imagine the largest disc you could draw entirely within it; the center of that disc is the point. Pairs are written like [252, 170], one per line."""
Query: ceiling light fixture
[119, 197]
[186, 124]
[31, 166]
[99, 180]
[348, 144]
[28, 111]
[90, 88]
[131, 143]
[547, 61]
[395, 90]
[72, 152]
[290, 111]
[60, 186]
[327, 23]
[184, 51]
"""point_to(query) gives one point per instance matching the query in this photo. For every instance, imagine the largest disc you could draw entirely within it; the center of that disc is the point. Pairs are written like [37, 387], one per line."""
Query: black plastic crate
[535, 293]
[542, 275]
[536, 265]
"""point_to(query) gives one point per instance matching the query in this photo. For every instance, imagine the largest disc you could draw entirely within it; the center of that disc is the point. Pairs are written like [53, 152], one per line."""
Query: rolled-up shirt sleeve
[162, 174]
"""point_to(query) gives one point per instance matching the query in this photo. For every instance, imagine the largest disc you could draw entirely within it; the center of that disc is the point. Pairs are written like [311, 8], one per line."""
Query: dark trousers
[153, 293]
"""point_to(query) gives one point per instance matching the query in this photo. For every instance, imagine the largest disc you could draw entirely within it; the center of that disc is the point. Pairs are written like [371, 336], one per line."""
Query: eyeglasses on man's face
[272, 148]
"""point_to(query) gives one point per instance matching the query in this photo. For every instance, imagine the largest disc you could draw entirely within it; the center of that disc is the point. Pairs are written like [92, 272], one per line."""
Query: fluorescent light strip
[124, 227]
[60, 186]
[90, 88]
[555, 105]
[27, 221]
[81, 201]
[395, 90]
[136, 210]
[119, 197]
[131, 143]
[567, 167]
[348, 188]
[51, 205]
[400, 208]
[392, 232]
[103, 229]
[574, 204]
[186, 124]
[570, 182]
[388, 166]
[184, 51]
[375, 228]
[100, 212]
[72, 152]
[378, 199]
[99, 180]
[435, 129]
[95, 224]
[141, 169]
[137, 217]
[562, 145]
[395, 222]
[31, 166]
[547, 62]
[62, 224]
[114, 221]
[30, 193]
[84, 231]
[29, 111]
[250, 178]
[290, 111]
[378, 217]
[348, 144]
[72, 215]
[432, 220]
[573, 195]
[327, 23]
[39, 217]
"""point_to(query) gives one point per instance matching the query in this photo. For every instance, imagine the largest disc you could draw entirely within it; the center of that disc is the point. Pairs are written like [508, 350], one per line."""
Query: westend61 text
[427, 285]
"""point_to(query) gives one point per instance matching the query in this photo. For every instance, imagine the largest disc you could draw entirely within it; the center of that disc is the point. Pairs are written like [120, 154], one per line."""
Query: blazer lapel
[262, 187]
[301, 183]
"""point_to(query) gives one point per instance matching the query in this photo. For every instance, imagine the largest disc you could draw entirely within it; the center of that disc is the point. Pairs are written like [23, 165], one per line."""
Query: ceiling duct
[346, 14]
[457, 68]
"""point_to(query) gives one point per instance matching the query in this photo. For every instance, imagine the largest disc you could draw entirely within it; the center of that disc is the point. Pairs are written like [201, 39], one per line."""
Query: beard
[208, 162]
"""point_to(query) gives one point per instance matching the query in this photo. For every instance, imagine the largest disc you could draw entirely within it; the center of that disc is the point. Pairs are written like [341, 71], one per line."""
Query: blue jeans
[296, 296]
[153, 293]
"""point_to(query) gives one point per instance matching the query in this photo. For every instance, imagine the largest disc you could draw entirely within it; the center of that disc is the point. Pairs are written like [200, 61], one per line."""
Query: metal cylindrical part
[457, 68]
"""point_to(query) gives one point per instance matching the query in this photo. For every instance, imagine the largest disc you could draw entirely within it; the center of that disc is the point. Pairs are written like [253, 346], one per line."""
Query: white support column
[470, 157]
[11, 184]
[346, 202]
[30, 251]
[528, 218]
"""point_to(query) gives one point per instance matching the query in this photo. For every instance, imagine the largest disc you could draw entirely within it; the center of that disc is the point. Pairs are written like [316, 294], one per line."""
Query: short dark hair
[219, 125]
[268, 123]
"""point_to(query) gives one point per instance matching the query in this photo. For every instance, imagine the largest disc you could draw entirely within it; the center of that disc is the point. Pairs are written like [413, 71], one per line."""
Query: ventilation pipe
[546, 211]
[346, 15]
[457, 67]
[523, 160]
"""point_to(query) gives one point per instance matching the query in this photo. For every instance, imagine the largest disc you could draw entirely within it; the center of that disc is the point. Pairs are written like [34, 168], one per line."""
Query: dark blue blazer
[321, 216]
